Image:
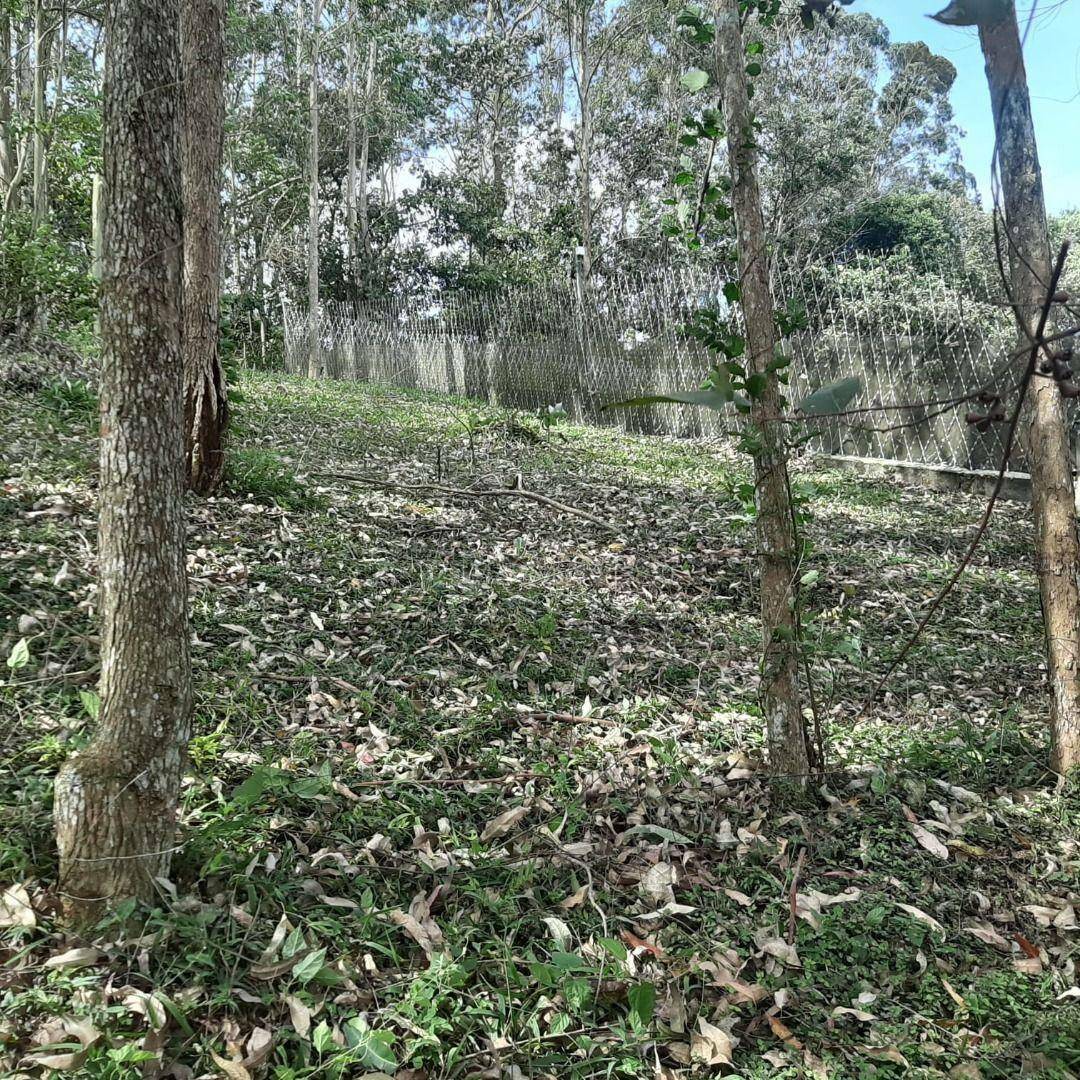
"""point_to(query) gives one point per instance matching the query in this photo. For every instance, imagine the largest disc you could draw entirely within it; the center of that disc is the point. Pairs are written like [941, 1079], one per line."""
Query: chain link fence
[911, 338]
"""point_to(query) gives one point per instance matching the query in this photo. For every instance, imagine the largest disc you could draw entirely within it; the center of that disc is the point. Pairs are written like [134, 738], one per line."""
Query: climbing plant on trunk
[116, 800]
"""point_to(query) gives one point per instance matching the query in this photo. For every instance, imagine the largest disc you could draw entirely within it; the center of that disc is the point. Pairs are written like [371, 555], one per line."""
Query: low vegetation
[475, 787]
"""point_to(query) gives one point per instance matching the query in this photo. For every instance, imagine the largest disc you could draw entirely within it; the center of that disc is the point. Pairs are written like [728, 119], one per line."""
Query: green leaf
[710, 399]
[309, 965]
[753, 69]
[91, 703]
[684, 178]
[565, 961]
[832, 398]
[695, 79]
[20, 655]
[322, 1038]
[642, 1000]
[371, 1046]
[615, 947]
[755, 385]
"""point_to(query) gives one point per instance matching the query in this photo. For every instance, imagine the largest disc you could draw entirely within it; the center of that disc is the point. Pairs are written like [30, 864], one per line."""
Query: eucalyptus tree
[116, 800]
[202, 44]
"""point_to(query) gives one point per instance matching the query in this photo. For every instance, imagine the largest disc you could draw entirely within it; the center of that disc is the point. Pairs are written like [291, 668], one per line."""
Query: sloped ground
[475, 786]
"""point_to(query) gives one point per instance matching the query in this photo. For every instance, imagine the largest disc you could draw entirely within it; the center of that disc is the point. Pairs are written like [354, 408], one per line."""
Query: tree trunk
[116, 801]
[42, 50]
[202, 44]
[1057, 553]
[584, 83]
[350, 177]
[7, 144]
[775, 522]
[314, 365]
[365, 154]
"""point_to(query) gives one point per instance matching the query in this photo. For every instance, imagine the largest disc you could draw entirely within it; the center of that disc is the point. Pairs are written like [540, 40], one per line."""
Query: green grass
[382, 674]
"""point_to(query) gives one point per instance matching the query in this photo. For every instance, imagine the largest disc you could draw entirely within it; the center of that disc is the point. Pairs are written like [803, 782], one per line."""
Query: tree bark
[116, 801]
[202, 44]
[314, 365]
[7, 146]
[350, 177]
[1057, 553]
[779, 692]
[365, 154]
[42, 49]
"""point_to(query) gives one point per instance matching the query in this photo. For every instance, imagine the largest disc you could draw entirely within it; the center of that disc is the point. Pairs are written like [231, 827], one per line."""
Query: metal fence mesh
[909, 337]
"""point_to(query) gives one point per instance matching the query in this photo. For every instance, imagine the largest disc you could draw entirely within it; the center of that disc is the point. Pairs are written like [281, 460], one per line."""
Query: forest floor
[475, 787]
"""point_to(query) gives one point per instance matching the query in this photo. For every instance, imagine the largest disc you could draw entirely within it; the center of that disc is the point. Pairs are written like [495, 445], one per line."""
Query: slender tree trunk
[350, 177]
[314, 365]
[97, 227]
[116, 801]
[42, 50]
[775, 523]
[1057, 553]
[7, 70]
[365, 154]
[202, 45]
[585, 145]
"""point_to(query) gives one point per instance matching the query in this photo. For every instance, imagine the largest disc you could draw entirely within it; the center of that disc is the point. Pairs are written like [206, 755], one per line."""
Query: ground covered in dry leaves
[475, 789]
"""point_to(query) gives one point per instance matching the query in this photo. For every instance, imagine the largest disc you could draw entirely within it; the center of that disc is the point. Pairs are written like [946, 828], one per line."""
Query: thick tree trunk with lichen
[202, 47]
[116, 801]
[779, 692]
[1057, 553]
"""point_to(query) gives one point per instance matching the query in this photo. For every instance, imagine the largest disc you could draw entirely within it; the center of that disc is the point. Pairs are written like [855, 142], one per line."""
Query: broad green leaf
[309, 965]
[695, 79]
[371, 1046]
[711, 399]
[20, 655]
[642, 1000]
[833, 398]
[322, 1038]
[615, 947]
[91, 703]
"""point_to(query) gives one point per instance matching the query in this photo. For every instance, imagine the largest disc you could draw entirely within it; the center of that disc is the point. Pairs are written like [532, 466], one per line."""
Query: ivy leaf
[695, 79]
[832, 398]
[682, 179]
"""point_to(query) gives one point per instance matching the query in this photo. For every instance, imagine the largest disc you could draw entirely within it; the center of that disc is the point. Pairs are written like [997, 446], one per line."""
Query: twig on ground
[476, 493]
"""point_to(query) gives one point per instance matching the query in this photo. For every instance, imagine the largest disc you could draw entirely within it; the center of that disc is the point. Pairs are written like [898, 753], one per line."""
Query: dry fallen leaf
[710, 1045]
[784, 1033]
[234, 1070]
[502, 824]
[74, 958]
[987, 934]
[15, 909]
[299, 1015]
[575, 899]
[918, 913]
[926, 839]
[656, 883]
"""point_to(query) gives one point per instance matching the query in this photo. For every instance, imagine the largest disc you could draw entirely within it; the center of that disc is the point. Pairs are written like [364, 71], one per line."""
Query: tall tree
[314, 367]
[779, 690]
[202, 46]
[1057, 551]
[116, 801]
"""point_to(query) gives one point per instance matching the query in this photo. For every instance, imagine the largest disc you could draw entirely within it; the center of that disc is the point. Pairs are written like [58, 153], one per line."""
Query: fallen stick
[476, 493]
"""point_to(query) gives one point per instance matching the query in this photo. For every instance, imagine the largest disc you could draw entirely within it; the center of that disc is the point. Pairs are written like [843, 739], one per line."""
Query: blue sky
[1053, 63]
